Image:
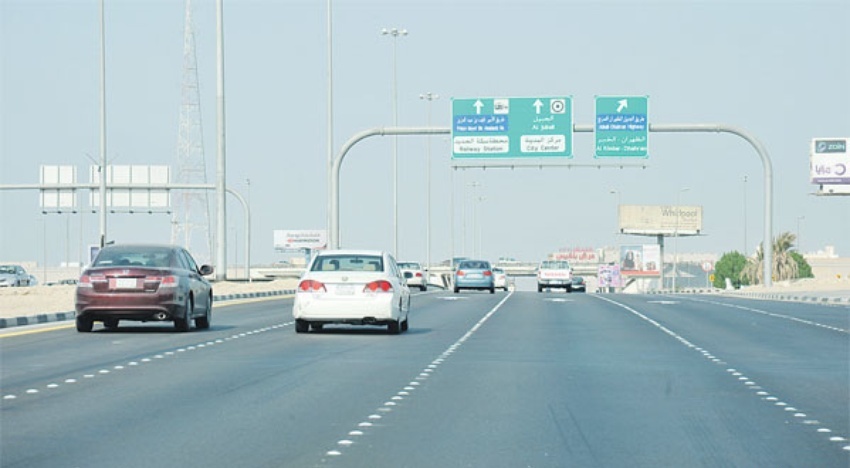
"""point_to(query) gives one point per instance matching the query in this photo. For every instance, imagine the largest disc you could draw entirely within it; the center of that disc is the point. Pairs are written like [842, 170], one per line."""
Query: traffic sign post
[512, 128]
[621, 126]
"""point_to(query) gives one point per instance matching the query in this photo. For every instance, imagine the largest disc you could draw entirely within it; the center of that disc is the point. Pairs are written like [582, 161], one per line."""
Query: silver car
[14, 275]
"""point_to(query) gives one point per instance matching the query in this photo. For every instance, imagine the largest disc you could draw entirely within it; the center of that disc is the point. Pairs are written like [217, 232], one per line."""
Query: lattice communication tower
[190, 222]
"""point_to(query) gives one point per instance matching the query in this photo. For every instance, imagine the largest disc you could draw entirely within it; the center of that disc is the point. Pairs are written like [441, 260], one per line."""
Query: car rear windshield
[555, 265]
[474, 265]
[348, 263]
[409, 266]
[152, 257]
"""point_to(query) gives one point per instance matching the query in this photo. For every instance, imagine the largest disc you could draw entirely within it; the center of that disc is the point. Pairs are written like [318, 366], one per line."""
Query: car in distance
[14, 276]
[579, 285]
[554, 274]
[474, 274]
[144, 283]
[414, 274]
[500, 278]
[352, 287]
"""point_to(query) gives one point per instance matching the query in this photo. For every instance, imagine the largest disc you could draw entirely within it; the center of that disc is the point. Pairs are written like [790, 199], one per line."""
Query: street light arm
[333, 241]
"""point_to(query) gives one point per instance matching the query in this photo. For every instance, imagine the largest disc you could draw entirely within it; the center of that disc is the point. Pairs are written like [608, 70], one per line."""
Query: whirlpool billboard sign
[830, 161]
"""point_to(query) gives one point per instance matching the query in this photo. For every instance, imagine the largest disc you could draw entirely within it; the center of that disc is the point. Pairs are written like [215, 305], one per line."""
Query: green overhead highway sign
[621, 126]
[512, 128]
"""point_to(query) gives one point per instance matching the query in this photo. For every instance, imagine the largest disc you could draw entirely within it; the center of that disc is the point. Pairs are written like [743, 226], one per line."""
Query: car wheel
[302, 326]
[569, 289]
[457, 290]
[184, 323]
[84, 324]
[404, 325]
[492, 290]
[203, 322]
[394, 327]
[423, 288]
[539, 288]
[111, 323]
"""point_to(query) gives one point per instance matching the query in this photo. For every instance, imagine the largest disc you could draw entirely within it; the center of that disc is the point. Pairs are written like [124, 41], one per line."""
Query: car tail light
[378, 286]
[419, 275]
[87, 281]
[461, 272]
[488, 273]
[168, 282]
[311, 286]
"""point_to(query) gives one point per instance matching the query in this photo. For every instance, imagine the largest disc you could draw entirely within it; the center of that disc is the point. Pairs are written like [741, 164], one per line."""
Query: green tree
[803, 267]
[784, 265]
[730, 265]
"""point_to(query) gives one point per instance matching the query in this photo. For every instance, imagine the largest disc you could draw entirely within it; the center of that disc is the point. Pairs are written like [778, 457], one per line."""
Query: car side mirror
[206, 270]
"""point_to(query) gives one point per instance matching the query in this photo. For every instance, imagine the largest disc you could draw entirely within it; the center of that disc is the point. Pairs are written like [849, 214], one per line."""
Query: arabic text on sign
[543, 143]
[481, 123]
[481, 145]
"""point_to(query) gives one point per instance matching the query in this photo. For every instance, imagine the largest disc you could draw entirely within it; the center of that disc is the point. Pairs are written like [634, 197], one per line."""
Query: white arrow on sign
[478, 105]
[537, 105]
[623, 103]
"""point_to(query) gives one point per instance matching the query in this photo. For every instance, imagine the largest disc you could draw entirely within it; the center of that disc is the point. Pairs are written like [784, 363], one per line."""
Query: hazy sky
[779, 69]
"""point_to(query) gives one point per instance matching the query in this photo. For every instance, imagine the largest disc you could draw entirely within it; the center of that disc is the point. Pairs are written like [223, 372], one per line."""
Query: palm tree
[784, 265]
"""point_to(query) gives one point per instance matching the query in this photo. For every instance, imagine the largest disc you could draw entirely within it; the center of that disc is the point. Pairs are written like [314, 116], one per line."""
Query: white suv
[554, 274]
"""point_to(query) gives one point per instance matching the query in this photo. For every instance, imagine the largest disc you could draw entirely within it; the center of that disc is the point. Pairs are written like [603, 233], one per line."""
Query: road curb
[65, 316]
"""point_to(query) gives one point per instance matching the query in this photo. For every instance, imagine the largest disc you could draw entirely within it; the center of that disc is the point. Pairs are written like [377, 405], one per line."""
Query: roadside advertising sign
[609, 276]
[830, 161]
[640, 260]
[312, 239]
[577, 255]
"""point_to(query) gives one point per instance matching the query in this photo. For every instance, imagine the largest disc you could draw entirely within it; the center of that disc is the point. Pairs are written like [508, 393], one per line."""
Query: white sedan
[414, 274]
[354, 287]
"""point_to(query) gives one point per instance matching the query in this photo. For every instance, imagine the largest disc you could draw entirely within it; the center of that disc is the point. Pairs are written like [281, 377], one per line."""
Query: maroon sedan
[144, 283]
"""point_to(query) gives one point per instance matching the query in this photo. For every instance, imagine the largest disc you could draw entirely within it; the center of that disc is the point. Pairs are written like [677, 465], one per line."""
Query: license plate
[125, 283]
[345, 290]
[476, 276]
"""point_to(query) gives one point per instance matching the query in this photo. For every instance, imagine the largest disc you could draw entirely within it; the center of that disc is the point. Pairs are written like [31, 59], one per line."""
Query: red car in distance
[144, 283]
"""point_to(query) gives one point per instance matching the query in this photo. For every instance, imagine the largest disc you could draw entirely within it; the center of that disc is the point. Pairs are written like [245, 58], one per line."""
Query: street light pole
[619, 202]
[474, 185]
[676, 237]
[745, 216]
[430, 97]
[395, 33]
[102, 169]
[478, 247]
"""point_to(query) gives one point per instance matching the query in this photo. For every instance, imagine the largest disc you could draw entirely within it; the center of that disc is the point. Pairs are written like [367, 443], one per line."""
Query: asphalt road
[479, 380]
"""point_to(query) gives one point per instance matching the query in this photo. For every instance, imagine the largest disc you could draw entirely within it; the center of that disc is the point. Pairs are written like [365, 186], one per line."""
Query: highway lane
[524, 379]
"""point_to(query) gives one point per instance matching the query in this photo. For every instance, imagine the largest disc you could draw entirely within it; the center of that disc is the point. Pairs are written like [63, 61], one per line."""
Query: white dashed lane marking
[105, 372]
[739, 376]
[407, 390]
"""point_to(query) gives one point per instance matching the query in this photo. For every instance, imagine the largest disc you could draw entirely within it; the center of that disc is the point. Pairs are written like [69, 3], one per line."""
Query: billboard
[312, 239]
[830, 161]
[609, 276]
[640, 260]
[660, 220]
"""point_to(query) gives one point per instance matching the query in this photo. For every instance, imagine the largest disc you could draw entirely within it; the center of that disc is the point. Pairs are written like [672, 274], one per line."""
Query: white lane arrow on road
[478, 105]
[537, 105]
[623, 104]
